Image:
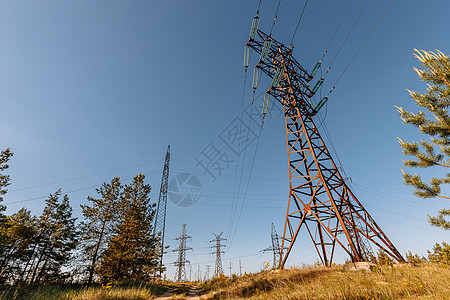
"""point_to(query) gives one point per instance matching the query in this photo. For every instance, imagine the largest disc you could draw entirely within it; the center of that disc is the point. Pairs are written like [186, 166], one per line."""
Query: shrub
[384, 259]
[415, 258]
[440, 254]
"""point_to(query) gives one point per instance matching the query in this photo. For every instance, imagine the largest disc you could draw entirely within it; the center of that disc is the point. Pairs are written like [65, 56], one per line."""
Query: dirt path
[194, 293]
[166, 295]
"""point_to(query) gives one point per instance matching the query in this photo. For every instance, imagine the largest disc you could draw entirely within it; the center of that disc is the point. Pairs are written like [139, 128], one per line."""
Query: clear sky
[90, 90]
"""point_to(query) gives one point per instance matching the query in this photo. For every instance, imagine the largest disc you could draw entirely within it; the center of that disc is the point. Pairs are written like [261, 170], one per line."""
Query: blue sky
[95, 89]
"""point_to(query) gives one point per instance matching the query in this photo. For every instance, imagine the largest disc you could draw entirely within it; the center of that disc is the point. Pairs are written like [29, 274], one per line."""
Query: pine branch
[422, 189]
[424, 159]
[440, 220]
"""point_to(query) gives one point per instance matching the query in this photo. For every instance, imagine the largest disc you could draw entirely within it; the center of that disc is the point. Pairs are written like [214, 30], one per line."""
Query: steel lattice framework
[180, 274]
[160, 217]
[276, 248]
[218, 270]
[319, 199]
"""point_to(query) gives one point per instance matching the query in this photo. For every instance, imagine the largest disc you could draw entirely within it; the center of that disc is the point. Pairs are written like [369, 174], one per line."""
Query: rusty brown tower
[320, 203]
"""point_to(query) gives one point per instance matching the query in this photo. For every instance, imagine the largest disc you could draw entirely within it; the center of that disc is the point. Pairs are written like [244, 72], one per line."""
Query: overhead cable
[356, 53]
[343, 43]
[337, 29]
[298, 23]
[248, 182]
[275, 18]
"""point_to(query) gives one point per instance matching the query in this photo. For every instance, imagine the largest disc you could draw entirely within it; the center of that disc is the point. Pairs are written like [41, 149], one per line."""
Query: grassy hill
[405, 281]
[425, 281]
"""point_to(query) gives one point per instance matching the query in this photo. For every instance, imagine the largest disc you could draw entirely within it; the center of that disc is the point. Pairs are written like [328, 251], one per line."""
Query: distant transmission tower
[276, 248]
[160, 218]
[319, 198]
[180, 274]
[218, 270]
[208, 269]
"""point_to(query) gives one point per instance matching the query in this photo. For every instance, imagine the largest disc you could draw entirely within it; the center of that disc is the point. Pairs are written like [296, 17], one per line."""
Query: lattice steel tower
[275, 248]
[319, 199]
[160, 217]
[218, 251]
[180, 274]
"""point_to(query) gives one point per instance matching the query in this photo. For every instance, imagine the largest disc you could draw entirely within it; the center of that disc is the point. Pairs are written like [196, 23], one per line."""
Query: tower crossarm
[295, 79]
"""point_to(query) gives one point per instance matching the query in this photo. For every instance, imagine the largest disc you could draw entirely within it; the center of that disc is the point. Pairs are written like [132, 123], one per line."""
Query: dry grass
[427, 281]
[67, 292]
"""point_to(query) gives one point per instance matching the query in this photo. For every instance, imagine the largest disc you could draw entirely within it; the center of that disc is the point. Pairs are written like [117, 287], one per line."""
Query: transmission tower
[208, 268]
[319, 199]
[218, 251]
[275, 248]
[160, 218]
[180, 274]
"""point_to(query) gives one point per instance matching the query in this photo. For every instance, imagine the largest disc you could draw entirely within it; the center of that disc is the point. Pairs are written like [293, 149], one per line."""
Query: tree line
[113, 242]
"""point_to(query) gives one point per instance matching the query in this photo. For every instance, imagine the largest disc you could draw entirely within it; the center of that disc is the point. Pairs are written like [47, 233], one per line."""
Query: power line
[240, 130]
[373, 191]
[298, 23]
[63, 192]
[83, 165]
[248, 182]
[257, 11]
[334, 150]
[253, 254]
[411, 225]
[82, 177]
[337, 29]
[343, 43]
[351, 60]
[247, 57]
[243, 159]
[275, 18]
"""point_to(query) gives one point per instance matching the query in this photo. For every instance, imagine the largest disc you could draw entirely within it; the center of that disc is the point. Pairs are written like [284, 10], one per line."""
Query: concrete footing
[362, 265]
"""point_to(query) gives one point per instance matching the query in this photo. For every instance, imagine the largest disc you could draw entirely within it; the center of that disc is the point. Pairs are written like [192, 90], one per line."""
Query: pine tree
[56, 238]
[21, 232]
[132, 253]
[99, 219]
[5, 155]
[434, 152]
[440, 254]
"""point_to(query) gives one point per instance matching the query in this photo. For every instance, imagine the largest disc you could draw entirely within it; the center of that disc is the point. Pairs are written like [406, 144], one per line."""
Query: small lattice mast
[160, 217]
[180, 274]
[319, 201]
[218, 270]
